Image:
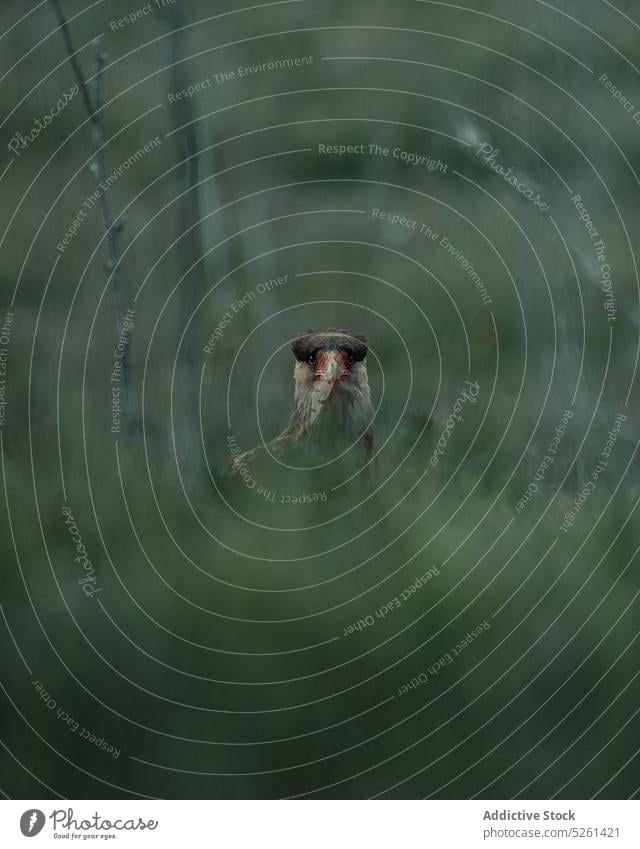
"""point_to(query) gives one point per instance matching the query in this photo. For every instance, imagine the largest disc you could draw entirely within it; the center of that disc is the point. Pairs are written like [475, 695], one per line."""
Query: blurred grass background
[215, 658]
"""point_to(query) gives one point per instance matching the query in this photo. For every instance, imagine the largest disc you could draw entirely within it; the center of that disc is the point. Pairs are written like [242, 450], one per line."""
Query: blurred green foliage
[215, 657]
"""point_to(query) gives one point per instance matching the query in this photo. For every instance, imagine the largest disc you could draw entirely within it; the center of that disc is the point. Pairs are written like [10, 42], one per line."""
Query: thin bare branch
[73, 59]
[95, 111]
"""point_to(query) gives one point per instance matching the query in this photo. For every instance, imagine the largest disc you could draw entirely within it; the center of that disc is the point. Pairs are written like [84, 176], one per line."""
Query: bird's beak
[328, 370]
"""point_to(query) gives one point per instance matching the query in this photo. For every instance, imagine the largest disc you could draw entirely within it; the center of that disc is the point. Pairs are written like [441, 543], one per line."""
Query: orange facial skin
[331, 366]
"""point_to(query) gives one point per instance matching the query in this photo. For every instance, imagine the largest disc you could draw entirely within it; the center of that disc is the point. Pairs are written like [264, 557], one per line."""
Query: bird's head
[332, 397]
[330, 371]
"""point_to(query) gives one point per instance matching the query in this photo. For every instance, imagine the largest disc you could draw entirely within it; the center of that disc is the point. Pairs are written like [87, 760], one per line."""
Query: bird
[333, 414]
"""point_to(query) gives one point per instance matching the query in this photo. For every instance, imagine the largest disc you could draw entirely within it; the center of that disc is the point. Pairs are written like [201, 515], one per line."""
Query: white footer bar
[321, 824]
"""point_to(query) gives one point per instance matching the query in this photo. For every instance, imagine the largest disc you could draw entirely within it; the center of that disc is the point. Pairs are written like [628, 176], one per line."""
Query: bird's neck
[343, 420]
[324, 427]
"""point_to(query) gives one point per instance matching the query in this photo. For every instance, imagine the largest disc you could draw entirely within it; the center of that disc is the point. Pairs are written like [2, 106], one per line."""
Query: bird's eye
[351, 359]
[311, 359]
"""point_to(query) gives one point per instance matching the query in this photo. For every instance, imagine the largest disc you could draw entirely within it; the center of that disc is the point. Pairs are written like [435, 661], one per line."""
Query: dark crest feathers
[311, 341]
